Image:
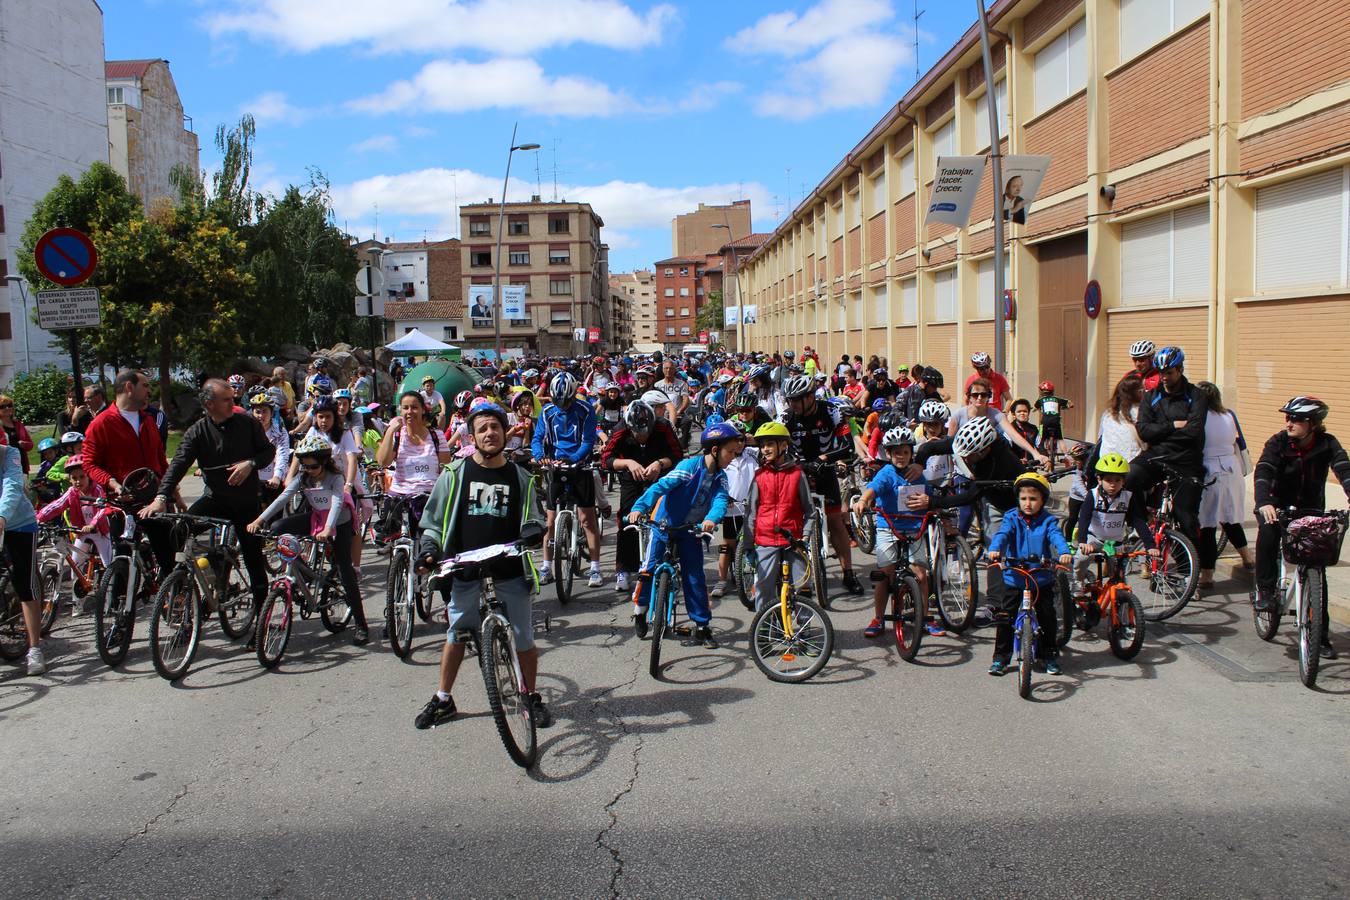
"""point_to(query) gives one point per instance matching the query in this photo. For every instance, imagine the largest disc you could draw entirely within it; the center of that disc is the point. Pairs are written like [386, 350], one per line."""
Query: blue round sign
[1092, 299]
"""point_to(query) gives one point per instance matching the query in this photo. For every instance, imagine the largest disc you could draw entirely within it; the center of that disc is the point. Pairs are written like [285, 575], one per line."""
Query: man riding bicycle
[566, 433]
[1172, 424]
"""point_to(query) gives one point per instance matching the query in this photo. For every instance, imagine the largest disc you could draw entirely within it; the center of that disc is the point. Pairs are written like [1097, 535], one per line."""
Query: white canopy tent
[415, 342]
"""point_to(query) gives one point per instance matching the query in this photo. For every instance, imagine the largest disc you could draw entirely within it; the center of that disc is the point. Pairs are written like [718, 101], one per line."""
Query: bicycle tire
[1267, 621]
[114, 612]
[958, 599]
[175, 625]
[13, 633]
[562, 557]
[818, 567]
[745, 578]
[510, 707]
[1127, 625]
[272, 630]
[907, 611]
[864, 527]
[1066, 610]
[1026, 655]
[334, 611]
[49, 589]
[271, 560]
[236, 609]
[425, 598]
[399, 607]
[1312, 625]
[661, 592]
[812, 641]
[1166, 591]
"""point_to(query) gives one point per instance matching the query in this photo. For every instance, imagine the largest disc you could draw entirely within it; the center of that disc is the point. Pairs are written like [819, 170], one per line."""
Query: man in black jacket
[1172, 424]
[229, 448]
[642, 450]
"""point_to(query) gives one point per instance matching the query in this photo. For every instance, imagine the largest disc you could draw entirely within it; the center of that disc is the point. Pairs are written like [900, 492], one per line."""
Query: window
[558, 286]
[1166, 257]
[684, 310]
[670, 312]
[1145, 22]
[684, 330]
[854, 209]
[909, 301]
[984, 287]
[480, 226]
[684, 271]
[841, 320]
[520, 257]
[1061, 66]
[881, 308]
[115, 95]
[559, 257]
[670, 331]
[699, 291]
[525, 284]
[906, 174]
[560, 317]
[480, 257]
[1302, 232]
[450, 333]
[877, 187]
[944, 139]
[670, 292]
[982, 114]
[558, 225]
[684, 292]
[409, 289]
[518, 226]
[944, 296]
[670, 273]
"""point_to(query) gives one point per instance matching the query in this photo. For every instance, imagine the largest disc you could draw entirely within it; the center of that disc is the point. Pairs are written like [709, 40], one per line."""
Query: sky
[642, 109]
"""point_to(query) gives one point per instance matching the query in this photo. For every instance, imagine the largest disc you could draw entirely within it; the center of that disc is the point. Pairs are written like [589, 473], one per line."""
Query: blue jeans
[689, 549]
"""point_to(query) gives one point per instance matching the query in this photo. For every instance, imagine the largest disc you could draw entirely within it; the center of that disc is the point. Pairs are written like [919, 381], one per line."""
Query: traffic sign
[370, 306]
[1092, 299]
[370, 280]
[65, 256]
[73, 308]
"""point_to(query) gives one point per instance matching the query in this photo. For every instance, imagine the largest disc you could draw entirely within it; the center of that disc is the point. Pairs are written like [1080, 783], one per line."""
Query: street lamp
[377, 255]
[23, 294]
[497, 259]
[736, 274]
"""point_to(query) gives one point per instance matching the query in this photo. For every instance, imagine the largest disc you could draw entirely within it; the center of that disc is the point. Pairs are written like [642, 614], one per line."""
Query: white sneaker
[719, 590]
[545, 573]
[595, 579]
[621, 582]
[37, 663]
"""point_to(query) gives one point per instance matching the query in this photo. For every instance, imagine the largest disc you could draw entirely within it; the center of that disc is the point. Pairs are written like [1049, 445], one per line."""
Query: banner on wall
[513, 301]
[593, 335]
[480, 305]
[1022, 177]
[731, 315]
[750, 315]
[955, 183]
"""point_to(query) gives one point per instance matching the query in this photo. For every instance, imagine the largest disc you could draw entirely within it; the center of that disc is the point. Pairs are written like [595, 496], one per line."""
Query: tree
[709, 317]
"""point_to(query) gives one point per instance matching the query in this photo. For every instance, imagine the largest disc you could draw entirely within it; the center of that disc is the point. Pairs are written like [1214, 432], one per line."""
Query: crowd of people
[740, 446]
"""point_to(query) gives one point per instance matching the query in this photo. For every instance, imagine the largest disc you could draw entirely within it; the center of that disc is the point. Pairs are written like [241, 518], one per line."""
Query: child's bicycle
[791, 640]
[661, 610]
[1109, 597]
[908, 606]
[62, 573]
[1026, 629]
[310, 583]
[1167, 582]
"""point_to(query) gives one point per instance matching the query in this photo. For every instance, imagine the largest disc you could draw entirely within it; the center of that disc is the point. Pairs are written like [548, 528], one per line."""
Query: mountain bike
[862, 527]
[661, 610]
[406, 593]
[908, 605]
[1026, 629]
[814, 535]
[952, 580]
[1108, 597]
[1167, 582]
[130, 576]
[791, 640]
[209, 574]
[567, 543]
[1302, 586]
[498, 658]
[309, 581]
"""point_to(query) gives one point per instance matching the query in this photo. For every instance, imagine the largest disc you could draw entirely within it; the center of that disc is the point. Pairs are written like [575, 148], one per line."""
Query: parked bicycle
[309, 584]
[791, 640]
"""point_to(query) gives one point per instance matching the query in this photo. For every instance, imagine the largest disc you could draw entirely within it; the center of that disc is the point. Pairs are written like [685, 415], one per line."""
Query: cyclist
[997, 383]
[566, 433]
[932, 417]
[479, 501]
[1051, 408]
[676, 387]
[262, 405]
[928, 384]
[879, 387]
[439, 409]
[740, 476]
[820, 435]
[694, 492]
[609, 408]
[89, 522]
[767, 395]
[1141, 357]
[897, 497]
[416, 452]
[522, 421]
[1105, 513]
[18, 525]
[746, 413]
[1293, 472]
[977, 405]
[644, 377]
[44, 488]
[641, 450]
[1172, 424]
[780, 497]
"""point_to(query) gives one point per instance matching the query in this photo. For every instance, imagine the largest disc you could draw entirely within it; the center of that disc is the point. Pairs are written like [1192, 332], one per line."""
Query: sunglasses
[311, 467]
[1297, 419]
[976, 395]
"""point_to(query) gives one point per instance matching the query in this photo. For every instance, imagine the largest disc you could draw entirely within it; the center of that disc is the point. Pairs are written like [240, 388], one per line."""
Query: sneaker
[1326, 651]
[1265, 599]
[595, 579]
[37, 663]
[435, 712]
[719, 590]
[1052, 667]
[621, 583]
[545, 573]
[542, 717]
[998, 667]
[934, 629]
[851, 584]
[361, 635]
[704, 634]
[874, 629]
[640, 623]
[606, 511]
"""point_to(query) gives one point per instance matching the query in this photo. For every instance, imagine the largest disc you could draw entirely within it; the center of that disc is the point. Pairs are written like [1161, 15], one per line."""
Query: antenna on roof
[375, 235]
[555, 170]
[917, 12]
[538, 185]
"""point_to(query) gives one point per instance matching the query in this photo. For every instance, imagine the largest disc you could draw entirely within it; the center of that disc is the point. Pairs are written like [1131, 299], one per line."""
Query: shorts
[462, 609]
[888, 549]
[732, 526]
[1052, 430]
[826, 483]
[581, 484]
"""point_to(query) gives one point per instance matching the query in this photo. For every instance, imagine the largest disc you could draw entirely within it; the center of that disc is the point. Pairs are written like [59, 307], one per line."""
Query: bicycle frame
[293, 578]
[1102, 591]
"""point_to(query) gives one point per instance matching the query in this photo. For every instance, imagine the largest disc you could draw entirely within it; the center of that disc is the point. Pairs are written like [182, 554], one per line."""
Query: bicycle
[406, 593]
[951, 577]
[59, 568]
[862, 527]
[13, 631]
[498, 657]
[208, 573]
[793, 629]
[130, 576]
[814, 534]
[307, 561]
[661, 610]
[1026, 628]
[908, 605]
[1108, 597]
[1304, 591]
[1167, 582]
[567, 545]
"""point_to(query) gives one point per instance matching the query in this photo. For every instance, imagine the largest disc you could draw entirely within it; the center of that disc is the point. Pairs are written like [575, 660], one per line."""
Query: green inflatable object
[451, 378]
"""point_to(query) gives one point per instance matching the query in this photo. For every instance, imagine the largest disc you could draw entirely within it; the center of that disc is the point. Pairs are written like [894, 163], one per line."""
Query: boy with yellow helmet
[1106, 512]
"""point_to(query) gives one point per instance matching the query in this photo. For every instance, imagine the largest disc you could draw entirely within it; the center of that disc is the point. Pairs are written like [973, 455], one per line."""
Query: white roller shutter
[1190, 253]
[1145, 260]
[906, 174]
[1301, 232]
[881, 310]
[984, 300]
[909, 301]
[944, 296]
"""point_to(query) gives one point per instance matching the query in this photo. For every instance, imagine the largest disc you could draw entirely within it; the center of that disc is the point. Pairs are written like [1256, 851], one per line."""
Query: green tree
[709, 317]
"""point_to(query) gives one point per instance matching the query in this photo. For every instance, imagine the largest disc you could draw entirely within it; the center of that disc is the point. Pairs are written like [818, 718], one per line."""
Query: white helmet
[1141, 349]
[976, 435]
[979, 359]
[655, 397]
[933, 411]
[898, 437]
[562, 387]
[798, 386]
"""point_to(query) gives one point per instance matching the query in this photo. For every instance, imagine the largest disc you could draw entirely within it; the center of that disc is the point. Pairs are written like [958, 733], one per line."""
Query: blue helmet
[880, 404]
[1168, 357]
[717, 434]
[46, 444]
[563, 387]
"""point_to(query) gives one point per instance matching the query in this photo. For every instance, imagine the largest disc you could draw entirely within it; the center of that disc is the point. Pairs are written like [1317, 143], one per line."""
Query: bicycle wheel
[1026, 654]
[960, 592]
[562, 556]
[1267, 621]
[907, 614]
[1066, 610]
[399, 605]
[661, 595]
[818, 568]
[13, 634]
[1165, 585]
[175, 625]
[424, 597]
[509, 704]
[270, 557]
[236, 610]
[273, 629]
[796, 658]
[114, 612]
[864, 527]
[1312, 625]
[333, 609]
[745, 578]
[1126, 633]
[50, 587]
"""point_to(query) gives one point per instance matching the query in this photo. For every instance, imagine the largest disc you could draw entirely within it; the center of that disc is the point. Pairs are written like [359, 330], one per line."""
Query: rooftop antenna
[454, 180]
[917, 12]
[538, 183]
[376, 234]
[555, 170]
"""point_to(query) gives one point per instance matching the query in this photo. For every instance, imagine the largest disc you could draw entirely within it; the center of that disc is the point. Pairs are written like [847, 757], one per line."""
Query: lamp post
[23, 294]
[996, 162]
[497, 258]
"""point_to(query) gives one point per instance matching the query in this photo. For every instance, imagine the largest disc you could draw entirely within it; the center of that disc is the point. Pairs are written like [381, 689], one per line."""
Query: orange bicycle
[1109, 597]
[61, 571]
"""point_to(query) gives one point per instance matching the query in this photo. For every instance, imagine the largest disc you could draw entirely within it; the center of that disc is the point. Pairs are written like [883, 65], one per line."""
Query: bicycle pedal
[683, 630]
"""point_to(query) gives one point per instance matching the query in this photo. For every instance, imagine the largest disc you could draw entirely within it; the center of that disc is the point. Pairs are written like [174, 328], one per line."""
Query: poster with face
[1022, 177]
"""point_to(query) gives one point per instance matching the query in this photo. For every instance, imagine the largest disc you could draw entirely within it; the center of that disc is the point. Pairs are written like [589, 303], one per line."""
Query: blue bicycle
[1026, 628]
[664, 578]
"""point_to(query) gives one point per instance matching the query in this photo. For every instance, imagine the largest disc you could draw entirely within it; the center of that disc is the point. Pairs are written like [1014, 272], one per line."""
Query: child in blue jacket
[693, 492]
[1031, 533]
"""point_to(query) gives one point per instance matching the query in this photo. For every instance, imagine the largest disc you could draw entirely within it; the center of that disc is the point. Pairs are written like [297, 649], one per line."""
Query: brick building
[705, 229]
[679, 294]
[1200, 176]
[422, 287]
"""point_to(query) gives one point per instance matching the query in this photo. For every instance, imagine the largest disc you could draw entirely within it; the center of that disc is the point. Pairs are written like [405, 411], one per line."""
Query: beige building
[638, 289]
[148, 134]
[1200, 176]
[706, 229]
[554, 250]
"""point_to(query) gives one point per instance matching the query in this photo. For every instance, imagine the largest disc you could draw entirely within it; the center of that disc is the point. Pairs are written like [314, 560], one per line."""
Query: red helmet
[1048, 387]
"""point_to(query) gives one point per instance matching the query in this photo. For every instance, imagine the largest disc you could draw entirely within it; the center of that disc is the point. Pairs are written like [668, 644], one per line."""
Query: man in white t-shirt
[435, 402]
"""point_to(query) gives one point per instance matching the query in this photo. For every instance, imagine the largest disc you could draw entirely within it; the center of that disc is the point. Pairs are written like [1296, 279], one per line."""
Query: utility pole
[996, 159]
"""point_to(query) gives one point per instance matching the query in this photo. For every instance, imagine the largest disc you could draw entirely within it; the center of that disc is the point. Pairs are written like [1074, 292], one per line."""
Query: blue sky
[643, 109]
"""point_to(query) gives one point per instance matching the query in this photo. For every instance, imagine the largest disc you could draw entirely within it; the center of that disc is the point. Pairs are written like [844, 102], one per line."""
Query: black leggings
[342, 557]
[626, 553]
[1208, 547]
[19, 545]
[1046, 617]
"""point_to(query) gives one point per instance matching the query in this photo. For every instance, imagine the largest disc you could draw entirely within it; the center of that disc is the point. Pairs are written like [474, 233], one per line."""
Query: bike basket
[1313, 541]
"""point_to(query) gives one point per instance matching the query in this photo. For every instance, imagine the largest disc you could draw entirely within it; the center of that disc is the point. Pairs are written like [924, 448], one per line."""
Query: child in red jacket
[780, 497]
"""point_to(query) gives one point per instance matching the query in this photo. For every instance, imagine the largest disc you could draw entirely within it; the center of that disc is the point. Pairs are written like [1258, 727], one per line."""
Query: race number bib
[1050, 407]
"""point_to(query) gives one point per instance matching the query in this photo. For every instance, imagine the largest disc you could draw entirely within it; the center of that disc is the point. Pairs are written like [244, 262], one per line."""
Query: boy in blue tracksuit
[566, 433]
[693, 492]
[1031, 533]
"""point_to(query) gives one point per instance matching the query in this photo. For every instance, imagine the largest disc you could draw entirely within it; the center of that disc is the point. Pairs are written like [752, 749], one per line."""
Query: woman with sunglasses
[978, 394]
[15, 433]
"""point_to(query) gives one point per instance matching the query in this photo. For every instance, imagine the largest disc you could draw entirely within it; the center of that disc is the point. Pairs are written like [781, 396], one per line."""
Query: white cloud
[500, 26]
[376, 143]
[272, 106]
[455, 86]
[789, 34]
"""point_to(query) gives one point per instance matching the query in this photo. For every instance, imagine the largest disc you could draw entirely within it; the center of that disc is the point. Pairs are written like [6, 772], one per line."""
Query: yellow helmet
[1113, 464]
[773, 430]
[1033, 479]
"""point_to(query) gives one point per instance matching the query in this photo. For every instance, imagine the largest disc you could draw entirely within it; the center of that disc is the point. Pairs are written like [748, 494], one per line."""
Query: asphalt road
[1202, 768]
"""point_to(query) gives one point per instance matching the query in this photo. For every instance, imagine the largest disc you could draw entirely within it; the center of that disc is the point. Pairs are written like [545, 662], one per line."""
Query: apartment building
[679, 294]
[639, 292]
[1200, 178]
[705, 229]
[555, 251]
[148, 133]
[421, 284]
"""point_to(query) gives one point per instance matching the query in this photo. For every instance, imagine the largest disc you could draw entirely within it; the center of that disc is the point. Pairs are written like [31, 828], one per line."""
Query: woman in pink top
[415, 450]
[90, 522]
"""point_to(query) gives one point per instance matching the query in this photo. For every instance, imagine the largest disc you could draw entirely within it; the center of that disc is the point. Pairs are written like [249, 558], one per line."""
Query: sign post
[67, 257]
[370, 283]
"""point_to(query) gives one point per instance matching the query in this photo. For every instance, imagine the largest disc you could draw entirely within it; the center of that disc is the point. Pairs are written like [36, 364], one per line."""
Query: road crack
[145, 829]
[602, 842]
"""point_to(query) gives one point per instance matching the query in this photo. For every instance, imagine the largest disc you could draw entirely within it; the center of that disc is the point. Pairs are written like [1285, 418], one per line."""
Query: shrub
[40, 394]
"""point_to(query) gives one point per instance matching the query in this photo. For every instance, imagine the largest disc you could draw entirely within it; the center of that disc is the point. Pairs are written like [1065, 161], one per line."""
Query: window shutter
[984, 302]
[1050, 77]
[1301, 232]
[1190, 253]
[909, 301]
[880, 305]
[907, 174]
[944, 296]
[1145, 260]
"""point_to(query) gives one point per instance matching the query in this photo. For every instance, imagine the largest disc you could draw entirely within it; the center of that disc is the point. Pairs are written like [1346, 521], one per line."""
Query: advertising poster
[593, 335]
[731, 316]
[480, 305]
[513, 301]
[1022, 177]
[955, 183]
[751, 315]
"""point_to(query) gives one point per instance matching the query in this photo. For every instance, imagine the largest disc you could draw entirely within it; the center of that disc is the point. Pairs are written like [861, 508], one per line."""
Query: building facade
[679, 295]
[53, 122]
[705, 229]
[421, 285]
[639, 292]
[148, 134]
[1200, 177]
[555, 251]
